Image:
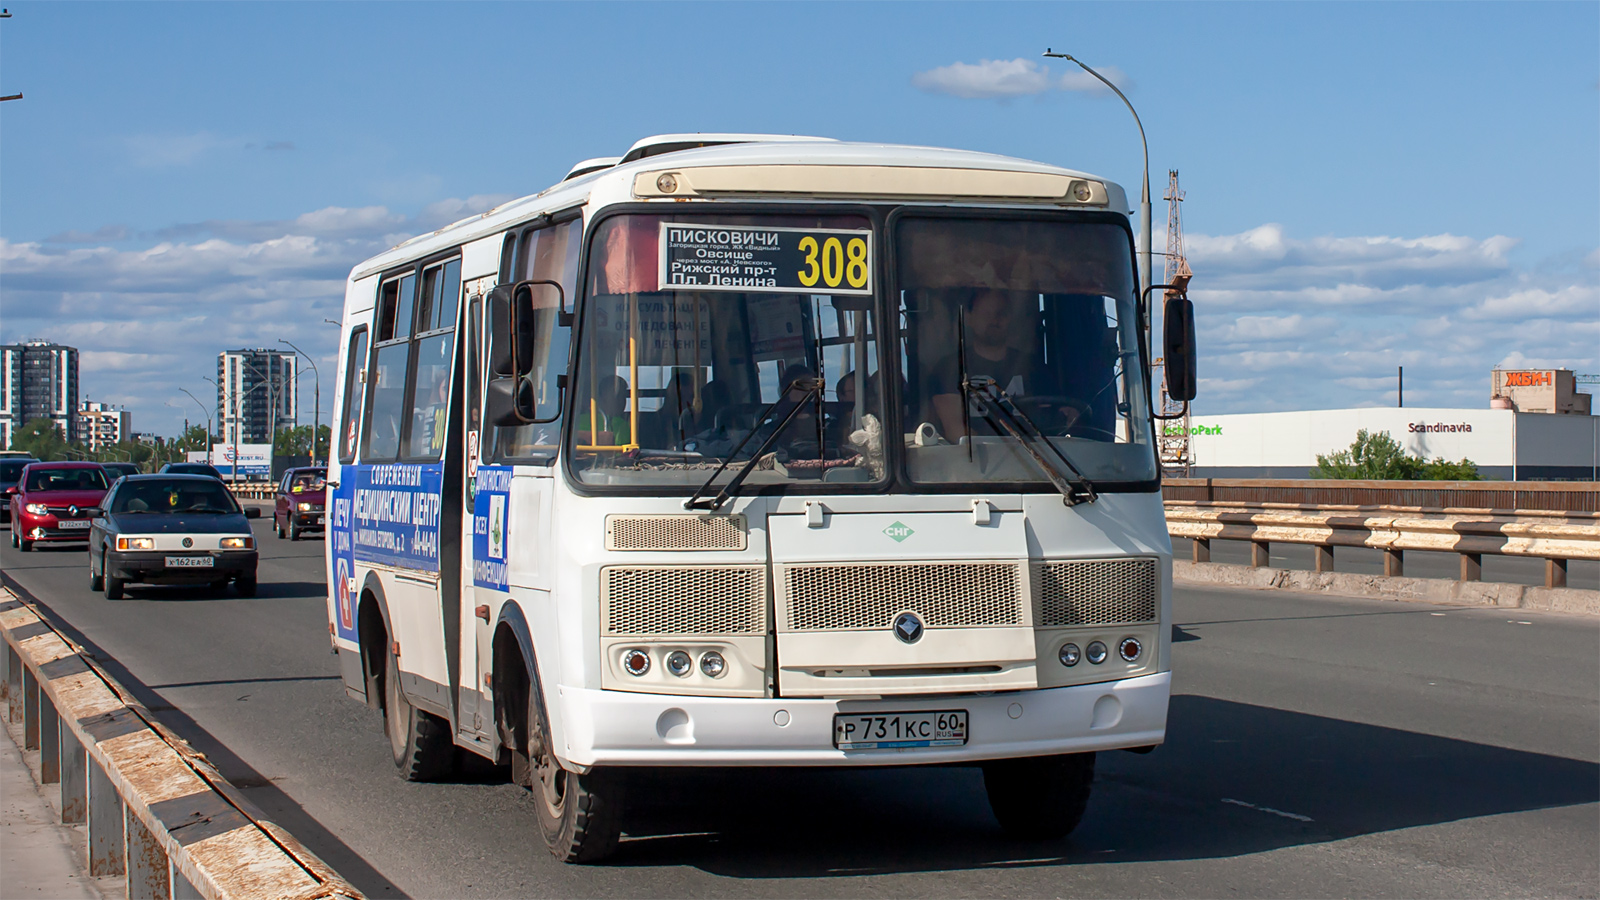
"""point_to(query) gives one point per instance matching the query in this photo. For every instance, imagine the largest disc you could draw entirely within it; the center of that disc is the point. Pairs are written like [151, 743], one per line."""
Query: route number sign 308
[834, 262]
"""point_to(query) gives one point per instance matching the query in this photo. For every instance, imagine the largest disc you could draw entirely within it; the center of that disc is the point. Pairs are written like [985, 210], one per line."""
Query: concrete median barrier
[157, 812]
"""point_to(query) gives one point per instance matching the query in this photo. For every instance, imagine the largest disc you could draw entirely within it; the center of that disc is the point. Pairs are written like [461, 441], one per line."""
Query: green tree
[1442, 469]
[42, 439]
[1379, 457]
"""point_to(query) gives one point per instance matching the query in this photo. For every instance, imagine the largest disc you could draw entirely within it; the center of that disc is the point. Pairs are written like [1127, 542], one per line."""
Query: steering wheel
[1060, 416]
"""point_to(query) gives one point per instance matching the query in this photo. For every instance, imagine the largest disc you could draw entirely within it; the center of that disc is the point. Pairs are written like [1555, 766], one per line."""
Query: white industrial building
[1505, 444]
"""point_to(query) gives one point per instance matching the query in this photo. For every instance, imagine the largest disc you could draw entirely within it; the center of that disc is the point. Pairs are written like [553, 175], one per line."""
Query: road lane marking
[1267, 809]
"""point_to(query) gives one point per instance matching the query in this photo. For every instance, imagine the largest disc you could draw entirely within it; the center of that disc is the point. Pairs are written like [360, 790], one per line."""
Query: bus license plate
[190, 562]
[72, 524]
[894, 731]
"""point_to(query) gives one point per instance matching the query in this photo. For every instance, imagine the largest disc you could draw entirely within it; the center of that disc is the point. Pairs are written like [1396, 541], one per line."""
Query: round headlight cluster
[636, 662]
[712, 664]
[679, 663]
[1130, 648]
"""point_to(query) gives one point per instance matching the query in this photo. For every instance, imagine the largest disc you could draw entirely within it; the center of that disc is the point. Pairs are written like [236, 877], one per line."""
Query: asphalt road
[1316, 747]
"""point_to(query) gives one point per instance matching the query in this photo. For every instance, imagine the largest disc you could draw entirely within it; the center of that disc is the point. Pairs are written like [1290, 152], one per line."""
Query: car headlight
[37, 509]
[136, 543]
[238, 543]
[305, 507]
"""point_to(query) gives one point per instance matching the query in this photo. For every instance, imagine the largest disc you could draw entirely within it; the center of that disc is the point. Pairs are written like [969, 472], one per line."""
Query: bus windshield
[686, 364]
[1038, 314]
[715, 343]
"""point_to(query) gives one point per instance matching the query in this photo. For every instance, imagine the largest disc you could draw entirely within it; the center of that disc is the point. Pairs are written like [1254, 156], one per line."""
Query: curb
[1383, 587]
[157, 811]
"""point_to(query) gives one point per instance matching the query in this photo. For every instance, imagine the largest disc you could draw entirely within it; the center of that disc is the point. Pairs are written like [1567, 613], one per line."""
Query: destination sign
[697, 257]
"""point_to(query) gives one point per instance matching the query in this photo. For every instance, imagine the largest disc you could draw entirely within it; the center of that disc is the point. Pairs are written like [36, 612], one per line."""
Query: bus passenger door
[475, 704]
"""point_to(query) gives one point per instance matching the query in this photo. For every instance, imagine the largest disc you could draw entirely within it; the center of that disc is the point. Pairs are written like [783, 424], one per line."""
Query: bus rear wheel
[580, 815]
[419, 741]
[1042, 797]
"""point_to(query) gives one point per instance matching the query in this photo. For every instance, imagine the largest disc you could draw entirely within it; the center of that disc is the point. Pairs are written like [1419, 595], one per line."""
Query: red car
[54, 502]
[299, 505]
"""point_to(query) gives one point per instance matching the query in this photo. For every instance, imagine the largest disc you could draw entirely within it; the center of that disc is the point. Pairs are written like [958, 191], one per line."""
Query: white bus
[752, 450]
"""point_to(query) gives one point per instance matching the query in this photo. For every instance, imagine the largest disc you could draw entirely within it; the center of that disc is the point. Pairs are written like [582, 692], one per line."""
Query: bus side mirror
[500, 405]
[1177, 320]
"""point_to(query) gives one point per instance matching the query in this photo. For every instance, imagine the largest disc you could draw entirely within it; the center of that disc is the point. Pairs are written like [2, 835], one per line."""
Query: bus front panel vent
[675, 532]
[683, 601]
[859, 596]
[1096, 592]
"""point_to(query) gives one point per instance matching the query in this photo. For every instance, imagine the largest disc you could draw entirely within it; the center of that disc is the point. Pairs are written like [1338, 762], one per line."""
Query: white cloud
[1007, 78]
[149, 320]
[1322, 322]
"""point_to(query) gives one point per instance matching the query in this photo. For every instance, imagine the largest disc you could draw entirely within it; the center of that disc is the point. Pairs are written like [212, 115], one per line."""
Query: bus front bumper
[604, 728]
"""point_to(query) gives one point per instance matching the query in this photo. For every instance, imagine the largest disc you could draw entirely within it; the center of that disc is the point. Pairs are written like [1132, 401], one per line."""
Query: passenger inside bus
[605, 421]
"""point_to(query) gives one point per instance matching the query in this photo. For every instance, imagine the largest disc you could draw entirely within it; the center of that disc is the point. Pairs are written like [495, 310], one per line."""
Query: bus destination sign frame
[761, 259]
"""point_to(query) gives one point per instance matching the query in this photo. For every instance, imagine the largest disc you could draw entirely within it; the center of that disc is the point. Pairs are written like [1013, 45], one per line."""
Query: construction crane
[1173, 440]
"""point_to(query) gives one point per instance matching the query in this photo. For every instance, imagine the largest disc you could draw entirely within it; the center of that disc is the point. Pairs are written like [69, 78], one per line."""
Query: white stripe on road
[1267, 809]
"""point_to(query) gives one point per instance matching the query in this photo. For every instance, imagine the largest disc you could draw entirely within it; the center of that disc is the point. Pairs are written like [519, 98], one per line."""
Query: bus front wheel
[1042, 797]
[580, 815]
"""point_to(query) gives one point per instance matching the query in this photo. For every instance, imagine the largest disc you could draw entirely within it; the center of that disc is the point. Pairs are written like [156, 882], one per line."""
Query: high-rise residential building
[38, 380]
[256, 394]
[101, 424]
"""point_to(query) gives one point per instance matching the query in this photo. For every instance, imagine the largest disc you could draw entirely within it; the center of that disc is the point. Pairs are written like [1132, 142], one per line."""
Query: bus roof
[618, 181]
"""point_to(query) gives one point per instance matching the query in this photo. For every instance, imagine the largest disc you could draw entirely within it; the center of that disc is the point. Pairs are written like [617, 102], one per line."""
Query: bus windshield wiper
[1004, 415]
[810, 387]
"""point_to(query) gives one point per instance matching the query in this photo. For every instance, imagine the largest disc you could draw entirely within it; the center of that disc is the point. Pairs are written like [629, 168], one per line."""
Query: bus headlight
[1069, 655]
[305, 507]
[635, 662]
[712, 663]
[679, 663]
[1130, 648]
[1096, 652]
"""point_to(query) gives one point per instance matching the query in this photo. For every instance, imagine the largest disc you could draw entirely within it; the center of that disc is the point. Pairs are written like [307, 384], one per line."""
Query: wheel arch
[373, 632]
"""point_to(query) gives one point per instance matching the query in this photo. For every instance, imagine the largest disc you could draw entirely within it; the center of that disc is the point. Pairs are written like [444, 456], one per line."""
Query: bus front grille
[675, 532]
[1096, 592]
[853, 596]
[682, 601]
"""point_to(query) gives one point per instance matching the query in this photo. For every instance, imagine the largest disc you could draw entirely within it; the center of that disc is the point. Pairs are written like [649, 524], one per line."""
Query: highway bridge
[1316, 747]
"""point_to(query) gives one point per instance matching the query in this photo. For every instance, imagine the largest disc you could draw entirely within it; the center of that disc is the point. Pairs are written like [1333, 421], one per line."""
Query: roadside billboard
[255, 461]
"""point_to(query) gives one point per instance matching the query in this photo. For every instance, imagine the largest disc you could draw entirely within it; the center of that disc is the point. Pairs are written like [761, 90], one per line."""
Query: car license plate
[190, 562]
[893, 731]
[72, 524]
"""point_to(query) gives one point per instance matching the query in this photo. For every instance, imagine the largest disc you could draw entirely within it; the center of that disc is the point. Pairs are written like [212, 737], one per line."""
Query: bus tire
[419, 741]
[580, 815]
[1042, 797]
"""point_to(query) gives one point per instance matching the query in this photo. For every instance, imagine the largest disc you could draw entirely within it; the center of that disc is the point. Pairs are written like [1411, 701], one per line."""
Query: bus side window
[549, 253]
[385, 391]
[354, 391]
[434, 360]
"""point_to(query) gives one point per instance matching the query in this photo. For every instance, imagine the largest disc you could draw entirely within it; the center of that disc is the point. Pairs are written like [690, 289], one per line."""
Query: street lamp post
[316, 421]
[207, 413]
[1145, 237]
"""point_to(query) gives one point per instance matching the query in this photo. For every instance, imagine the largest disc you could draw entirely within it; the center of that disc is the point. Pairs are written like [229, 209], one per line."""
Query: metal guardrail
[1565, 496]
[252, 490]
[157, 812]
[1553, 537]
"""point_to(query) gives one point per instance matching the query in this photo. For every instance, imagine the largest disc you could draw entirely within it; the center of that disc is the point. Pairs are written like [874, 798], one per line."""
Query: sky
[1367, 185]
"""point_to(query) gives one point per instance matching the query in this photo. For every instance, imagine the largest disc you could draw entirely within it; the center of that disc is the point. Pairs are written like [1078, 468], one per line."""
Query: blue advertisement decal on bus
[489, 524]
[341, 537]
[395, 514]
